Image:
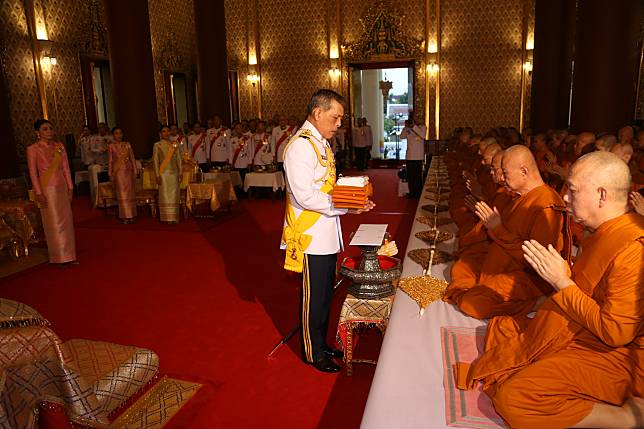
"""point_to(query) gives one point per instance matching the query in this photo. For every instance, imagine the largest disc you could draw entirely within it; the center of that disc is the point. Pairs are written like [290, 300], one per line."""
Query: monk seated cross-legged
[500, 282]
[579, 363]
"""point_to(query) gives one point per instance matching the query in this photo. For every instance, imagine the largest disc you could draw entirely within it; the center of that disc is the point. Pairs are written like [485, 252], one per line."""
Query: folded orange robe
[351, 197]
[585, 345]
[502, 283]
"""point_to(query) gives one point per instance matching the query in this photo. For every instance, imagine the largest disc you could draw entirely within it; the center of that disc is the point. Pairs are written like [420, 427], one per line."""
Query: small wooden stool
[360, 313]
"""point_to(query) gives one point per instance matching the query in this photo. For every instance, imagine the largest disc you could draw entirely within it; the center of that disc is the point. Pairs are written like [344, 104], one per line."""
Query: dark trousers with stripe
[317, 293]
[415, 178]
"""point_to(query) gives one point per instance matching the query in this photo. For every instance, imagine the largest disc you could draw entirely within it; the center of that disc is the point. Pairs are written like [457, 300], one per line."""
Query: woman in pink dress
[52, 184]
[122, 170]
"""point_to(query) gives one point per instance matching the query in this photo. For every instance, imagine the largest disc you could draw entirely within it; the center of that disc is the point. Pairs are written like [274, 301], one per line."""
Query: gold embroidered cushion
[15, 314]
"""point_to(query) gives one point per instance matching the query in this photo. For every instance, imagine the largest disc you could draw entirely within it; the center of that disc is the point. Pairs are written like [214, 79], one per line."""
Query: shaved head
[520, 169]
[483, 144]
[598, 187]
[604, 169]
[624, 151]
[605, 142]
[496, 170]
[489, 153]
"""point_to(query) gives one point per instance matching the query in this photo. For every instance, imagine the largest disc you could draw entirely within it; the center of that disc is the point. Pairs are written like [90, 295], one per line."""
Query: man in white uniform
[98, 148]
[362, 142]
[281, 136]
[415, 135]
[218, 143]
[197, 146]
[312, 235]
[263, 152]
[240, 149]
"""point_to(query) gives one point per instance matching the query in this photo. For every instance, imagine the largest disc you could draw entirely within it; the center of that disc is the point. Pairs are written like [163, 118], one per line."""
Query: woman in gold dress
[122, 170]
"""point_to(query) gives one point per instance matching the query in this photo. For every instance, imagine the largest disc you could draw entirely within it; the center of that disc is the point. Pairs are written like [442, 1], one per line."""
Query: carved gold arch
[383, 40]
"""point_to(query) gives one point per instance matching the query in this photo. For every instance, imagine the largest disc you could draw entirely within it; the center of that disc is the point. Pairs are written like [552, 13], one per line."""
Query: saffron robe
[585, 344]
[501, 282]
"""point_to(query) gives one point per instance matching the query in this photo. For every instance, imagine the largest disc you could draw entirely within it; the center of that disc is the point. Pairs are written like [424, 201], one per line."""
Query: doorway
[383, 93]
[103, 93]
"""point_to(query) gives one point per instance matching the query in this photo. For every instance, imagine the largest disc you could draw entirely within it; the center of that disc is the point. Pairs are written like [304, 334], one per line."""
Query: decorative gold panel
[172, 30]
[294, 54]
[17, 61]
[480, 64]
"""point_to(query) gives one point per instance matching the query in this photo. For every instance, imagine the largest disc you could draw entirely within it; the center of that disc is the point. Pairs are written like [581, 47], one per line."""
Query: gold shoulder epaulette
[307, 134]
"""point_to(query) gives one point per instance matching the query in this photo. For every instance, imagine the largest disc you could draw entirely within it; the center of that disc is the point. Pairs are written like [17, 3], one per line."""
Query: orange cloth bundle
[352, 192]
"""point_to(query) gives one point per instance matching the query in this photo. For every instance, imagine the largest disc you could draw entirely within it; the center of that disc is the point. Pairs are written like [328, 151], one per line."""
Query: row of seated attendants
[551, 252]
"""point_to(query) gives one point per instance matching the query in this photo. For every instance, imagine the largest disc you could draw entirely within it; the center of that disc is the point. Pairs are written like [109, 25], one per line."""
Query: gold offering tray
[434, 236]
[423, 289]
[431, 208]
[433, 196]
[435, 190]
[421, 257]
[432, 220]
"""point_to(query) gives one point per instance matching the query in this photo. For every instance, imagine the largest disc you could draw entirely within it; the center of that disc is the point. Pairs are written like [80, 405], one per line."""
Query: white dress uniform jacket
[281, 138]
[415, 142]
[98, 147]
[302, 172]
[245, 146]
[218, 144]
[263, 147]
[197, 147]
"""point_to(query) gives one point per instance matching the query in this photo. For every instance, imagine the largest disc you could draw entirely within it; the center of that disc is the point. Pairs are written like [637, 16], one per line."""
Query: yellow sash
[294, 236]
[168, 157]
[53, 167]
[122, 158]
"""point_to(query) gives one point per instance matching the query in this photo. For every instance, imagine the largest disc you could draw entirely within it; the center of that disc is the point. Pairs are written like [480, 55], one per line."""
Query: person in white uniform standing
[197, 146]
[415, 135]
[312, 236]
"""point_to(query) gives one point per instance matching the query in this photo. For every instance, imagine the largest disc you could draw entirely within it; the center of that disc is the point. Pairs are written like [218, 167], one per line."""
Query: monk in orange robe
[501, 283]
[580, 362]
[478, 182]
[477, 237]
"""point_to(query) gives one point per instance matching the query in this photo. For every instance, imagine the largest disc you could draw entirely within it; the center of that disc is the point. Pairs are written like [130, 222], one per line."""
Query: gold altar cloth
[219, 192]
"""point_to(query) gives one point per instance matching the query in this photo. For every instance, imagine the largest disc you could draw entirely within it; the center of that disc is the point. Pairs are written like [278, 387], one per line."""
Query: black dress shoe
[326, 365]
[334, 353]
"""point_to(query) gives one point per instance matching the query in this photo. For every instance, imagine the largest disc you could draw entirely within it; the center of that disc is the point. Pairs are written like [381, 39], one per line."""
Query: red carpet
[210, 297]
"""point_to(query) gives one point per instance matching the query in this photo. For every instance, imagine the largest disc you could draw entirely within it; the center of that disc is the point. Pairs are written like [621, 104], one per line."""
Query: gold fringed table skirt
[219, 192]
[359, 313]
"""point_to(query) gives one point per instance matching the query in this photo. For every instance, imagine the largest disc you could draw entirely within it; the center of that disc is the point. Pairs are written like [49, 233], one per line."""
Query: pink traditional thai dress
[50, 177]
[122, 169]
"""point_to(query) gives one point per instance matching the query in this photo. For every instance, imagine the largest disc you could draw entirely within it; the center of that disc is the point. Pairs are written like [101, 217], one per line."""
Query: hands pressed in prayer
[490, 216]
[548, 263]
[470, 203]
[475, 188]
[369, 205]
[637, 201]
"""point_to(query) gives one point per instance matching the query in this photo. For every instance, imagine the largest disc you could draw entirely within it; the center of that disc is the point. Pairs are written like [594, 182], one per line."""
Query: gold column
[427, 60]
[525, 69]
[36, 50]
[437, 108]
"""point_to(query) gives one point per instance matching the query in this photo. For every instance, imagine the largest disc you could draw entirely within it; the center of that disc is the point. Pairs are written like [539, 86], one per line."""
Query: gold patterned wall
[17, 60]
[480, 67]
[60, 19]
[481, 64]
[174, 49]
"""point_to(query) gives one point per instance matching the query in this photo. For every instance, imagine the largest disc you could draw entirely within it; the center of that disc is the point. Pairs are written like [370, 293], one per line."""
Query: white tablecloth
[407, 388]
[267, 180]
[235, 177]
